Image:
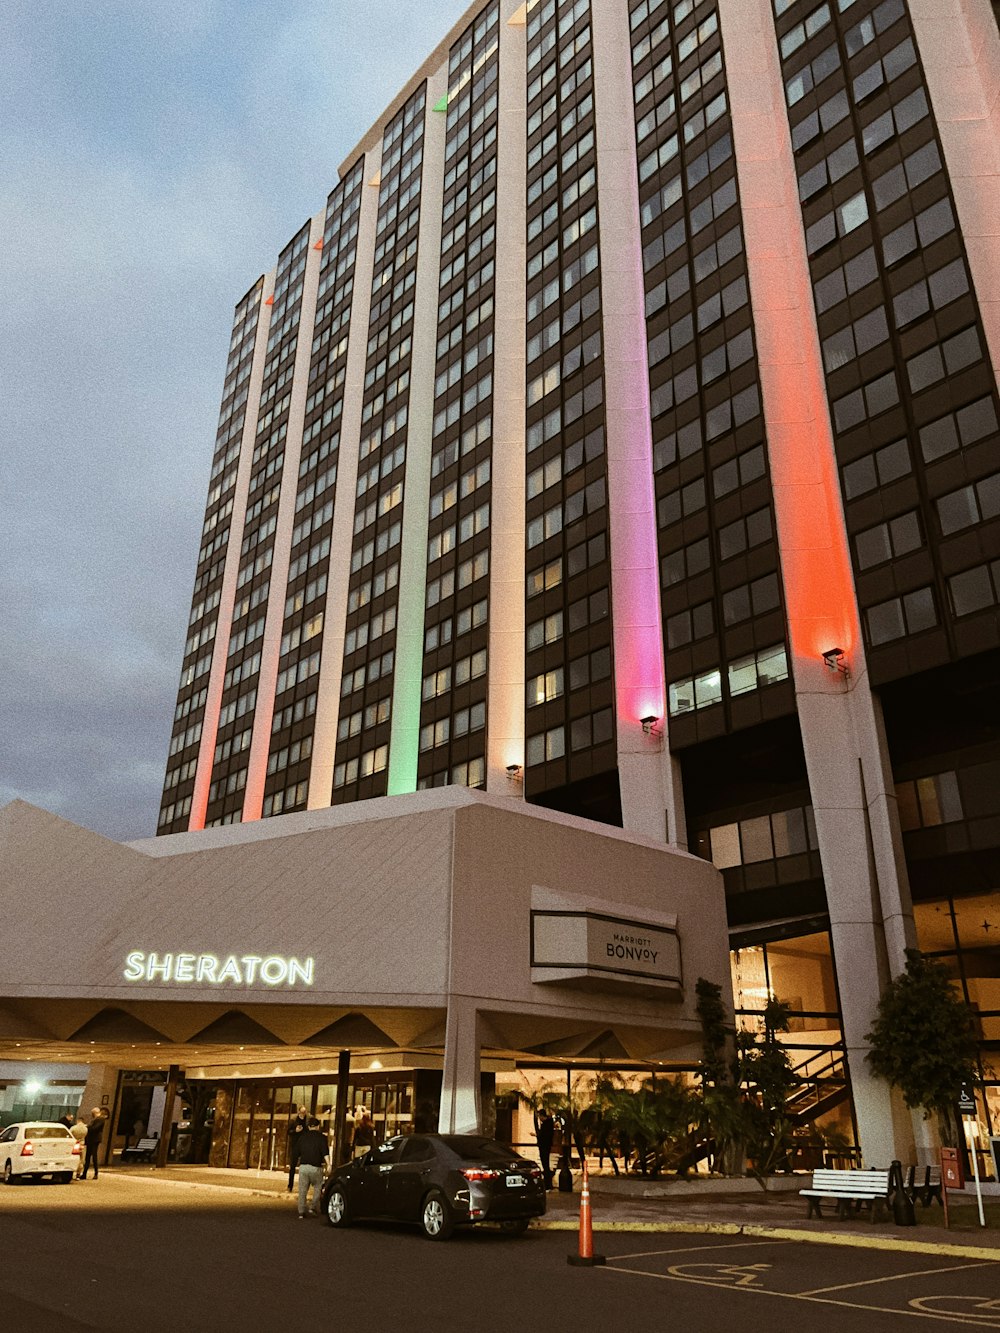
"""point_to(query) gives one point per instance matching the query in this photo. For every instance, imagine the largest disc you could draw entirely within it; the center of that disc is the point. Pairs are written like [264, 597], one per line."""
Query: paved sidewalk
[743, 1213]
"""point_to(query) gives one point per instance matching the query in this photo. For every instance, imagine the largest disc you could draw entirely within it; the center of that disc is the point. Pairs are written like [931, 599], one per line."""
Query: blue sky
[157, 156]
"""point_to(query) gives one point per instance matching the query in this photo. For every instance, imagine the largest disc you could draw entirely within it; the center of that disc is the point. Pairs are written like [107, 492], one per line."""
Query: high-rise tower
[622, 436]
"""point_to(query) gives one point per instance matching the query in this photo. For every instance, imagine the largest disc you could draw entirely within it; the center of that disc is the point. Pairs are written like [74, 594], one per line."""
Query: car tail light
[29, 1149]
[536, 1173]
[76, 1150]
[481, 1173]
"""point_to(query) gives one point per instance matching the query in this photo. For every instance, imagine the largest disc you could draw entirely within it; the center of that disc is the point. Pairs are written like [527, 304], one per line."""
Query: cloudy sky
[157, 156]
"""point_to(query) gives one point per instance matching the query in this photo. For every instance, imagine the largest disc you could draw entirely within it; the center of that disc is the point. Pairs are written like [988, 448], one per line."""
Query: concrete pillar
[651, 795]
[332, 662]
[404, 734]
[227, 597]
[461, 1111]
[850, 780]
[505, 735]
[102, 1082]
[959, 46]
[270, 648]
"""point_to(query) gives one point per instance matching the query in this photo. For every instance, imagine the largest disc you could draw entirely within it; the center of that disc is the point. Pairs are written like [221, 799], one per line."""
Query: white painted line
[897, 1277]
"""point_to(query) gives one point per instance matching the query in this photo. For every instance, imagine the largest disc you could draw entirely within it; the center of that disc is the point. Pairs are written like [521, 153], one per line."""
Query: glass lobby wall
[800, 972]
[964, 934]
[253, 1118]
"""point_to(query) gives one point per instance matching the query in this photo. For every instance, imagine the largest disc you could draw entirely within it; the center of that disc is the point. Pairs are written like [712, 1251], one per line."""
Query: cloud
[157, 157]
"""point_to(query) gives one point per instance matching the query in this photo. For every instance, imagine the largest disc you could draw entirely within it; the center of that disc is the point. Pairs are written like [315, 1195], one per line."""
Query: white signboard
[576, 946]
[208, 969]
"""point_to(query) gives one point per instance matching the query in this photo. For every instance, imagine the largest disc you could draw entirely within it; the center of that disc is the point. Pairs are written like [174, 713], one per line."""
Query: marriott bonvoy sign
[573, 946]
[209, 969]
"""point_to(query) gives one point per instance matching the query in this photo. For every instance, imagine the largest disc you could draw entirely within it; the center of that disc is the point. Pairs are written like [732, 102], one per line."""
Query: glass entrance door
[261, 1130]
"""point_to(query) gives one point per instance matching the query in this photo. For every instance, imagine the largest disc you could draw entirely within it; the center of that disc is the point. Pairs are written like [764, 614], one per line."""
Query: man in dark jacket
[545, 1128]
[313, 1152]
[295, 1131]
[95, 1132]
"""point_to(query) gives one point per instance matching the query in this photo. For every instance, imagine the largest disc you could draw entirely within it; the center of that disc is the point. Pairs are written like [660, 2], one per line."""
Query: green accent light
[442, 105]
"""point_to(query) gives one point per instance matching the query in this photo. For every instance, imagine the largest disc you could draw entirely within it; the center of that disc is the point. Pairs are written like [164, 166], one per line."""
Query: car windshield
[473, 1149]
[46, 1132]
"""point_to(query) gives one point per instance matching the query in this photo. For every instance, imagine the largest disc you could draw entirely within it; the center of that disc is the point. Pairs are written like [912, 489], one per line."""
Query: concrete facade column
[404, 734]
[227, 599]
[270, 648]
[331, 668]
[959, 47]
[843, 738]
[505, 712]
[651, 795]
[461, 1108]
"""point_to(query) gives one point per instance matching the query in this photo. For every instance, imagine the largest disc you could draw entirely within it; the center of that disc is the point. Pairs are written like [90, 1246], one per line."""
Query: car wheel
[8, 1172]
[336, 1207]
[65, 1178]
[517, 1226]
[435, 1217]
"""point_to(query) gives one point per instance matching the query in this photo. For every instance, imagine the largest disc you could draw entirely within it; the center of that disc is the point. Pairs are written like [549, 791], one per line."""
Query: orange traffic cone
[586, 1257]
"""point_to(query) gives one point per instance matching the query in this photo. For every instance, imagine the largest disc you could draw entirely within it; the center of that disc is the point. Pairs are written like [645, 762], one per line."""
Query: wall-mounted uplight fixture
[514, 772]
[834, 659]
[650, 725]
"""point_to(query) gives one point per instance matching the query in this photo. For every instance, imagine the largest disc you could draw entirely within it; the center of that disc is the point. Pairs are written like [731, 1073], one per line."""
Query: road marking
[726, 1275]
[693, 1249]
[969, 1317]
[973, 1320]
[897, 1277]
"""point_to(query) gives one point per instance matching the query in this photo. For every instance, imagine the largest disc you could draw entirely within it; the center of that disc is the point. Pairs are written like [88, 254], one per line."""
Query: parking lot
[130, 1253]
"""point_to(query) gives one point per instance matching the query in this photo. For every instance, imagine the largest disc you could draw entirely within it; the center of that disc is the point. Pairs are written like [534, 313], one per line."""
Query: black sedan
[437, 1181]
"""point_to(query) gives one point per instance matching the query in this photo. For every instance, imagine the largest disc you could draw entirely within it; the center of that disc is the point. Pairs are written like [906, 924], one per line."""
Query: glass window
[743, 675]
[957, 510]
[789, 833]
[755, 835]
[885, 622]
[726, 846]
[971, 591]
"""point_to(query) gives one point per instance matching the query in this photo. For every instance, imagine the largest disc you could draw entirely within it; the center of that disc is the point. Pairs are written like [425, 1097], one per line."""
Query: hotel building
[621, 437]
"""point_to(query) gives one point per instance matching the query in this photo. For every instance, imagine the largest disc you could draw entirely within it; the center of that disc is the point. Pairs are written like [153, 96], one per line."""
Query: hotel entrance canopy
[447, 925]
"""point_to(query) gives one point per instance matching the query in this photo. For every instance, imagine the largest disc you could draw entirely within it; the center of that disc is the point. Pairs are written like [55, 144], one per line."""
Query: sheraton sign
[208, 969]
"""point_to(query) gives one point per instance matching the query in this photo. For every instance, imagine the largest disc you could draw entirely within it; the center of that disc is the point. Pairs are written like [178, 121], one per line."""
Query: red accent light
[269, 301]
[319, 244]
[480, 1173]
[29, 1149]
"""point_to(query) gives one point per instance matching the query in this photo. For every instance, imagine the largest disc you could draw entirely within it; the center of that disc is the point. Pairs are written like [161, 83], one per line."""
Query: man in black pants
[313, 1155]
[545, 1128]
[295, 1131]
[95, 1132]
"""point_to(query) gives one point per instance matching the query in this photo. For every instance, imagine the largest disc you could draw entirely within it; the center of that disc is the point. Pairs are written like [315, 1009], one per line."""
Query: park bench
[143, 1151]
[858, 1188]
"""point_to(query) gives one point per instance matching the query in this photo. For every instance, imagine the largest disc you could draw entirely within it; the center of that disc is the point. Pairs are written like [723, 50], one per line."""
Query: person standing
[313, 1154]
[79, 1131]
[364, 1134]
[92, 1141]
[295, 1131]
[545, 1128]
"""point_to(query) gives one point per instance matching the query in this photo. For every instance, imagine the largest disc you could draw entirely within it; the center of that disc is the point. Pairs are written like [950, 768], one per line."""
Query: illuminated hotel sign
[207, 969]
[602, 951]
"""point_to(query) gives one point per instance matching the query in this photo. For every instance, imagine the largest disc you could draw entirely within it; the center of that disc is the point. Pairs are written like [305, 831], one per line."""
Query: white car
[37, 1148]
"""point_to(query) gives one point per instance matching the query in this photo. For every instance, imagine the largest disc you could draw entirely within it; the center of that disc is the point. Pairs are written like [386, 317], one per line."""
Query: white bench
[860, 1188]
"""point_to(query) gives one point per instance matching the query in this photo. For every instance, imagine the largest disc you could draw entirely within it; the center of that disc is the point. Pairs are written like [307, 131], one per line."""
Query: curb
[204, 1185]
[786, 1233]
[851, 1240]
